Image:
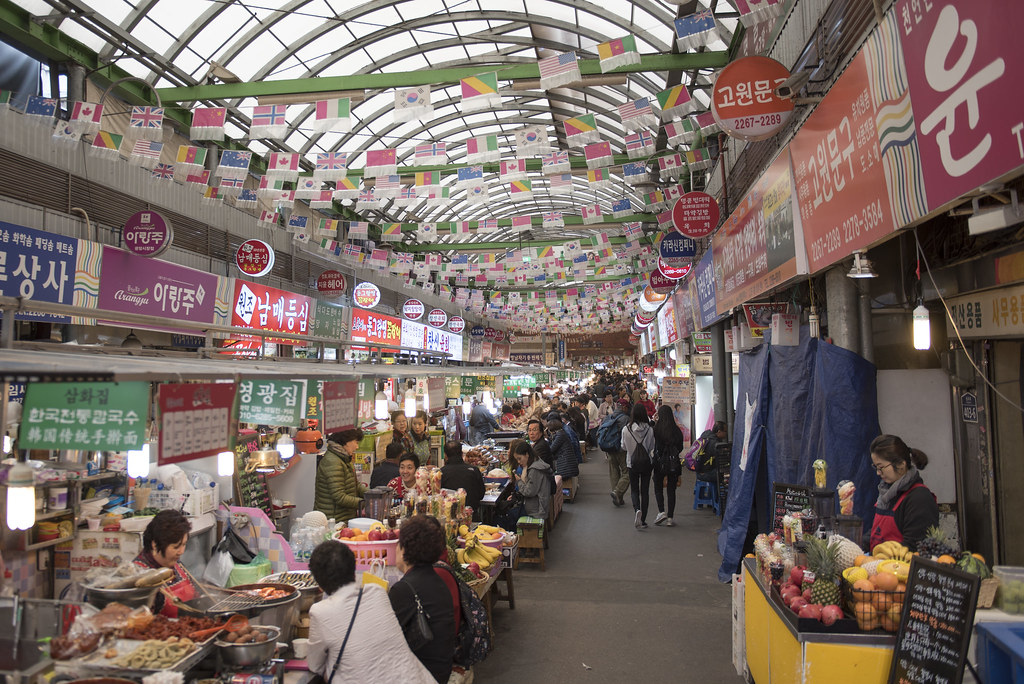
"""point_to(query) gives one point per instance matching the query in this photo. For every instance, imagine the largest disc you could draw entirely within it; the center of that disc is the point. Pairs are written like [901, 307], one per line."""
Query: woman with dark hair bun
[906, 508]
[163, 545]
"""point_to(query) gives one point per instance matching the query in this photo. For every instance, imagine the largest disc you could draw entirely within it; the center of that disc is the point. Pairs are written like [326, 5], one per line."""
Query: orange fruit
[979, 557]
[885, 581]
[861, 560]
[889, 624]
[862, 590]
[867, 616]
[946, 559]
[901, 588]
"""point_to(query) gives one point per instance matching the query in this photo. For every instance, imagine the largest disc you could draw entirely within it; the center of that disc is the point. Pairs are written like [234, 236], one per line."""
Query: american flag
[358, 230]
[636, 108]
[147, 117]
[387, 183]
[561, 181]
[163, 172]
[559, 64]
[149, 149]
[269, 115]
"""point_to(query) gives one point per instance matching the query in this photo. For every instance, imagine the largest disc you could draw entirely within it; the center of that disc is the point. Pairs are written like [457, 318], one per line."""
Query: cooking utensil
[251, 653]
[132, 597]
[233, 624]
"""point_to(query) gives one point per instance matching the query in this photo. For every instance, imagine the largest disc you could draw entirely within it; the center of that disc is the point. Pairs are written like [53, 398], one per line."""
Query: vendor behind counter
[163, 544]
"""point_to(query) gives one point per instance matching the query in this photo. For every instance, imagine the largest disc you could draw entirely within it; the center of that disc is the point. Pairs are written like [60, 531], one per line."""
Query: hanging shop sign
[452, 387]
[500, 351]
[673, 272]
[961, 59]
[695, 214]
[650, 300]
[744, 102]
[675, 249]
[667, 324]
[437, 318]
[476, 349]
[526, 357]
[677, 392]
[137, 285]
[92, 416]
[368, 326]
[969, 407]
[755, 249]
[340, 410]
[419, 336]
[499, 335]
[991, 313]
[271, 402]
[366, 295]
[435, 393]
[195, 420]
[661, 283]
[147, 233]
[703, 294]
[468, 385]
[313, 408]
[477, 331]
[490, 333]
[683, 309]
[266, 308]
[330, 321]
[702, 342]
[759, 316]
[331, 283]
[456, 324]
[413, 309]
[37, 265]
[254, 258]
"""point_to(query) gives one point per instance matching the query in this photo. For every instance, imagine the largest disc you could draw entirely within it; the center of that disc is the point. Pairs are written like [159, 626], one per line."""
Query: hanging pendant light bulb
[21, 497]
[410, 402]
[226, 463]
[467, 407]
[380, 405]
[138, 462]
[488, 401]
[285, 446]
[426, 403]
[922, 327]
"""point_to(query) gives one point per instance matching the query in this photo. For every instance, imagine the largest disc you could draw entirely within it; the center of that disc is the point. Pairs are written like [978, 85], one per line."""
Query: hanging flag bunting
[300, 235]
[706, 123]
[480, 92]
[521, 190]
[426, 232]
[234, 164]
[469, 175]
[617, 53]
[487, 225]
[406, 196]
[345, 188]
[146, 153]
[635, 173]
[671, 165]
[85, 117]
[41, 109]
[598, 178]
[430, 153]
[654, 200]
[698, 159]
[269, 121]
[460, 228]
[106, 144]
[483, 148]
[439, 197]
[696, 30]
[322, 200]
[391, 232]
[511, 170]
[198, 180]
[208, 123]
[387, 187]
[476, 193]
[269, 217]
[633, 230]
[552, 219]
[378, 258]
[591, 213]
[521, 224]
[412, 103]
[674, 102]
[64, 132]
[427, 182]
[283, 165]
[598, 154]
[296, 222]
[637, 114]
[269, 187]
[560, 184]
[639, 145]
[163, 172]
[285, 198]
[190, 158]
[755, 11]
[622, 207]
[380, 163]
[331, 166]
[581, 130]
[327, 227]
[367, 199]
[680, 132]
[147, 122]
[556, 162]
[531, 141]
[672, 194]
[246, 199]
[559, 70]
[665, 220]
[307, 187]
[212, 195]
[357, 230]
[333, 116]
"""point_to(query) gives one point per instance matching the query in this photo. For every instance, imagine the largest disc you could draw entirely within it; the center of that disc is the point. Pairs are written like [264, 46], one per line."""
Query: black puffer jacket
[565, 456]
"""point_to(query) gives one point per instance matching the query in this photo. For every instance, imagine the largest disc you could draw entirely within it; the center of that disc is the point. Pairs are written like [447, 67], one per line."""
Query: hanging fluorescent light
[380, 405]
[467, 408]
[21, 497]
[426, 403]
[922, 328]
[488, 401]
[7, 444]
[285, 446]
[410, 402]
[226, 463]
[138, 462]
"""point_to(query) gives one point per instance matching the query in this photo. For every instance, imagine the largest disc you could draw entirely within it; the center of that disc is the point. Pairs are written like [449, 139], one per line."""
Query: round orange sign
[744, 102]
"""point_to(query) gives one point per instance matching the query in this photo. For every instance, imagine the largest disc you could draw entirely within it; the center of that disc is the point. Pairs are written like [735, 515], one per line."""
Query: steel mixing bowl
[246, 655]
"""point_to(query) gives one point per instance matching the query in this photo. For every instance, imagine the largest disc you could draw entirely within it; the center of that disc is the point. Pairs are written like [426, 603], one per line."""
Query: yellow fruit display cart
[777, 653]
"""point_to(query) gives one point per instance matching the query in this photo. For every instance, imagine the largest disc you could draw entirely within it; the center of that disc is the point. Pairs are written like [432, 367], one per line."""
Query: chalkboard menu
[723, 465]
[788, 499]
[935, 627]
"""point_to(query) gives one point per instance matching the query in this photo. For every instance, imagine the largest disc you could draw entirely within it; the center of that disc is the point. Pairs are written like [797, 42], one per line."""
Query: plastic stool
[705, 494]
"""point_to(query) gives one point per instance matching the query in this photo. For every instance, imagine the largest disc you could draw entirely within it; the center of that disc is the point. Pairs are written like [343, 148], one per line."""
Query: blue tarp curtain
[796, 405]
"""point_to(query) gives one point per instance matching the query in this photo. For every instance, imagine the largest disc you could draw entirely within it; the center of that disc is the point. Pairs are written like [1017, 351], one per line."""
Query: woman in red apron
[163, 544]
[905, 508]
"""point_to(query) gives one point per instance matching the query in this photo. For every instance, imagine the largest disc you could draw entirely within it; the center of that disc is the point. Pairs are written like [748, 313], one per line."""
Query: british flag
[147, 117]
[163, 172]
[404, 258]
[553, 219]
[329, 163]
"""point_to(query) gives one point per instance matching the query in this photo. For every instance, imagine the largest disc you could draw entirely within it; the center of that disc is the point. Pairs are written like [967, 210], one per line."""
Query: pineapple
[935, 543]
[823, 561]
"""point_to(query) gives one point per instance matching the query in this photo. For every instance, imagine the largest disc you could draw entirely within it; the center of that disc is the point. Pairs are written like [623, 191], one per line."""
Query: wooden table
[489, 592]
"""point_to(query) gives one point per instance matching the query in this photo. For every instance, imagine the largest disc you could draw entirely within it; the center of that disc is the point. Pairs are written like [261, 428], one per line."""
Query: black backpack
[641, 457]
[473, 642]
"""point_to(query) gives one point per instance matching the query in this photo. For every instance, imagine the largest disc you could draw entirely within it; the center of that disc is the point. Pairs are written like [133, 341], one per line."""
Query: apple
[830, 614]
[796, 575]
[798, 604]
[347, 532]
[474, 568]
[392, 534]
[375, 535]
[807, 595]
[811, 610]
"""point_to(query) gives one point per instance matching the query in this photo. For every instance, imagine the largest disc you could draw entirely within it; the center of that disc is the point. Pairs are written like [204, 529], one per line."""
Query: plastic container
[1010, 595]
[1000, 651]
[366, 552]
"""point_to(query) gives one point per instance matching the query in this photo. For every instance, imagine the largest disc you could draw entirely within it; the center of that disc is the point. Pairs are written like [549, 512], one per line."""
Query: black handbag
[318, 678]
[418, 634]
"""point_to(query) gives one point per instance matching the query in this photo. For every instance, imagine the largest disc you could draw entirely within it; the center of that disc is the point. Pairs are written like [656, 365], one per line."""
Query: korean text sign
[195, 420]
[271, 402]
[94, 416]
[340, 399]
[266, 308]
[368, 326]
[136, 284]
[37, 265]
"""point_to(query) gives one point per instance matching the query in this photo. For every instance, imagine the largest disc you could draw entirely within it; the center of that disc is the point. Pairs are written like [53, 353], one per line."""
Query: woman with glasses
[906, 508]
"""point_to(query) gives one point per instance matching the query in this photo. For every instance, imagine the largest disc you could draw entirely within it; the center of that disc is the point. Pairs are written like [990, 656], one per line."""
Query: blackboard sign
[936, 624]
[788, 499]
[723, 465]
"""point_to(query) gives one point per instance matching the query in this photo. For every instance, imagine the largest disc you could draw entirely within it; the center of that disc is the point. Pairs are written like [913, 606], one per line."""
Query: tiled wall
[24, 577]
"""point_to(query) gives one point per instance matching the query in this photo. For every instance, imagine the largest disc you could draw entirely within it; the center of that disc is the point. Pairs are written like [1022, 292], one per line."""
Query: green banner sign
[514, 384]
[562, 375]
[367, 393]
[452, 387]
[93, 416]
[330, 322]
[543, 378]
[468, 385]
[272, 402]
[314, 401]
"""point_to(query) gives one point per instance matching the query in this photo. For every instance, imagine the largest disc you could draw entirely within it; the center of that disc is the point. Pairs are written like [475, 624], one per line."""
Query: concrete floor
[617, 604]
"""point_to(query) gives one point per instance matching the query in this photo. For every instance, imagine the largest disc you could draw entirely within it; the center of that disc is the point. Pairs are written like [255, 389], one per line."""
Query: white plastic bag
[218, 570]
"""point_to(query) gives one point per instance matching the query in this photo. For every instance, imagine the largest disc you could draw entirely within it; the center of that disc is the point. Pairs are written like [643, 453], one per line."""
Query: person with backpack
[609, 439]
[638, 443]
[704, 458]
[668, 442]
[563, 448]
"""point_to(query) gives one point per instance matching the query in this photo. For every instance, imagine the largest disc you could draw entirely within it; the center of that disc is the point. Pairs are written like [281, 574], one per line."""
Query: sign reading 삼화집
[93, 416]
[271, 402]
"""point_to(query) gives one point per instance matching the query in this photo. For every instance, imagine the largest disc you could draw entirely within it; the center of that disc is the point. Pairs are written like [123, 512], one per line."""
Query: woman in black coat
[562, 449]
[668, 442]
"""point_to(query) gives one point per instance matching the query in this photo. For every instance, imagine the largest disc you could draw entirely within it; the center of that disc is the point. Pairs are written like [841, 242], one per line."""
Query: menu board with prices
[250, 488]
[788, 499]
[936, 624]
[340, 405]
[195, 420]
[94, 416]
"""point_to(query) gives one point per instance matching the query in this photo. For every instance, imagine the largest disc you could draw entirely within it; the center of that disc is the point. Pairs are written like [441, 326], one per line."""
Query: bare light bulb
[410, 403]
[380, 406]
[21, 497]
[426, 403]
[138, 462]
[285, 446]
[467, 408]
[489, 401]
[226, 463]
[922, 328]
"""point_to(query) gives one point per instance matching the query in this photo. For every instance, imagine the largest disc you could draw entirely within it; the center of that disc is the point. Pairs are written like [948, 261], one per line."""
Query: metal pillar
[76, 84]
[867, 345]
[841, 302]
[721, 373]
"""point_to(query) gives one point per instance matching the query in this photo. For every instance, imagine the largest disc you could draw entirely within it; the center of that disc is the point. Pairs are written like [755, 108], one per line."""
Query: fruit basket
[873, 607]
[367, 552]
[1010, 597]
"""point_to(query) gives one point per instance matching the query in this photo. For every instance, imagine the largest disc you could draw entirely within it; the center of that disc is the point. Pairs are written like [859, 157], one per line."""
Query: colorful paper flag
[357, 230]
[387, 187]
[283, 165]
[198, 180]
[556, 162]
[40, 109]
[146, 153]
[674, 101]
[246, 199]
[333, 115]
[560, 184]
[208, 123]
[755, 11]
[106, 144]
[706, 123]
[531, 141]
[617, 53]
[598, 178]
[622, 207]
[307, 187]
[190, 158]
[285, 198]
[296, 222]
[699, 158]
[483, 148]
[269, 121]
[163, 172]
[406, 196]
[439, 197]
[147, 122]
[234, 164]
[231, 186]
[476, 193]
[633, 230]
[380, 163]
[426, 232]
[521, 190]
[331, 166]
[345, 188]
[480, 92]
[85, 117]
[680, 132]
[391, 232]
[639, 145]
[552, 219]
[581, 130]
[671, 165]
[637, 114]
[63, 132]
[412, 103]
[469, 175]
[268, 217]
[559, 70]
[269, 187]
[328, 227]
[598, 154]
[591, 213]
[635, 173]
[430, 153]
[322, 200]
[512, 169]
[367, 199]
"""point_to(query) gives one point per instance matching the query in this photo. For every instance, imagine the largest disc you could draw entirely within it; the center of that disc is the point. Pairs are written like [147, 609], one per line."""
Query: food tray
[97, 663]
[240, 601]
[300, 579]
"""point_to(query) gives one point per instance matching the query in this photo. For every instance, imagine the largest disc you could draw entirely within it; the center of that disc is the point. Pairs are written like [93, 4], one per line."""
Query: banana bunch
[478, 553]
[480, 531]
[892, 550]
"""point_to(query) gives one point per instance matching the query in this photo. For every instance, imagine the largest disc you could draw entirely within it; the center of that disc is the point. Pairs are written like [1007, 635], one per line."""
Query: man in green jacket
[338, 492]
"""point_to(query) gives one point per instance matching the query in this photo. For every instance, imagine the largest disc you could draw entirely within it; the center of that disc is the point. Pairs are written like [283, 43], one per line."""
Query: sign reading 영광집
[93, 416]
[271, 402]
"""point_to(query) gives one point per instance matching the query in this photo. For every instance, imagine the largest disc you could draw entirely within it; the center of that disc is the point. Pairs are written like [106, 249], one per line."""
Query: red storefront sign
[195, 420]
[340, 405]
[743, 101]
[695, 214]
[413, 309]
[254, 258]
[673, 272]
[437, 318]
[266, 308]
[366, 295]
[456, 324]
[331, 283]
[661, 283]
[377, 328]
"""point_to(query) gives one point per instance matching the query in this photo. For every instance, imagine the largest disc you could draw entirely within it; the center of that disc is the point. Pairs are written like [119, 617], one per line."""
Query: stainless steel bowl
[246, 655]
[133, 597]
[309, 591]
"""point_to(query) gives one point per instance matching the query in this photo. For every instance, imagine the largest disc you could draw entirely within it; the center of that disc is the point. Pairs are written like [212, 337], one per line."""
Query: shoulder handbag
[319, 679]
[418, 633]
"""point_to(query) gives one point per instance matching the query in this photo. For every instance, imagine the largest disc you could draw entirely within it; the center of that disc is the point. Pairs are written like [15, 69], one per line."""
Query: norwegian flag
[322, 200]
[639, 144]
[406, 196]
[552, 219]
[147, 122]
[85, 117]
[637, 114]
[487, 225]
[331, 166]
[431, 153]
[633, 229]
[233, 184]
[351, 250]
[268, 121]
[283, 165]
[163, 172]
[559, 70]
[556, 162]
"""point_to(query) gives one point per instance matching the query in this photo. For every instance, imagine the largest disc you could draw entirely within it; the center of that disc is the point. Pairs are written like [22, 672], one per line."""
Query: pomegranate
[796, 575]
[811, 610]
[830, 614]
[798, 604]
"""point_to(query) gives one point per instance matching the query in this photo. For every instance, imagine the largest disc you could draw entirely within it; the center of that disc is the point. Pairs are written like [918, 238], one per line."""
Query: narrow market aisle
[632, 605]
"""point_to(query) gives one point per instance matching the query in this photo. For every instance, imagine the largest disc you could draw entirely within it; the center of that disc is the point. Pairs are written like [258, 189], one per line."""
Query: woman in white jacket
[376, 650]
[638, 432]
